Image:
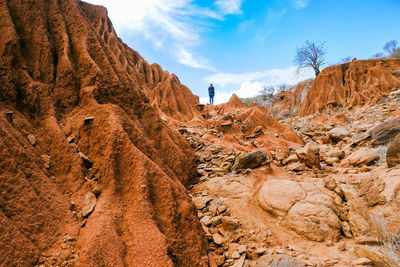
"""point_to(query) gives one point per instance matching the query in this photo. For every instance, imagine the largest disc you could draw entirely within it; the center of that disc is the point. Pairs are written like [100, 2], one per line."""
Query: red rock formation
[354, 84]
[233, 104]
[61, 62]
[288, 103]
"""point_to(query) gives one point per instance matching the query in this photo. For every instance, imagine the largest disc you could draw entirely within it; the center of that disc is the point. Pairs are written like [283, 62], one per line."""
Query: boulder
[304, 208]
[201, 202]
[89, 204]
[32, 139]
[290, 159]
[332, 160]
[314, 220]
[362, 157]
[235, 255]
[252, 160]
[336, 153]
[393, 152]
[229, 223]
[386, 131]
[278, 196]
[339, 133]
[218, 239]
[297, 166]
[309, 155]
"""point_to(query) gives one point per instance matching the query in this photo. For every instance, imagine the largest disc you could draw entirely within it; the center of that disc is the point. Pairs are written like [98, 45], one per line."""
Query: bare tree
[267, 92]
[390, 46]
[311, 54]
[396, 53]
[378, 55]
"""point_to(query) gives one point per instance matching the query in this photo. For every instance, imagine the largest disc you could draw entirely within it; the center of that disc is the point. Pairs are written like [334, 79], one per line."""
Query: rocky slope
[268, 199]
[86, 174]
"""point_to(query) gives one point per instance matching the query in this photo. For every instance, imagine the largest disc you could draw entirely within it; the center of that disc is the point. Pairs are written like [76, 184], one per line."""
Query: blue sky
[242, 45]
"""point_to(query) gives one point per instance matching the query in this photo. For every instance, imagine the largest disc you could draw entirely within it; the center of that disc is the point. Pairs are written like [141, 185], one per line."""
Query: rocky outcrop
[353, 84]
[386, 131]
[287, 103]
[67, 79]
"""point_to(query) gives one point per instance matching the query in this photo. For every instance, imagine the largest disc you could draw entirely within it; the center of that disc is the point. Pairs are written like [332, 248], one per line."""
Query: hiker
[354, 59]
[211, 93]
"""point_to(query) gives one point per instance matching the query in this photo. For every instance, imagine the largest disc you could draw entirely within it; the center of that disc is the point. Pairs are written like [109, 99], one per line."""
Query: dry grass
[390, 241]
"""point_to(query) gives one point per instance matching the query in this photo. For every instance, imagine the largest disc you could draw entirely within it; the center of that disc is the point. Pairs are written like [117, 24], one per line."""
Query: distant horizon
[241, 46]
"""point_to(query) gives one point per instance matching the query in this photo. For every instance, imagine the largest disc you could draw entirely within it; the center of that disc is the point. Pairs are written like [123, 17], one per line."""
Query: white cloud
[229, 6]
[300, 3]
[247, 89]
[186, 58]
[174, 25]
[274, 16]
[271, 77]
[251, 83]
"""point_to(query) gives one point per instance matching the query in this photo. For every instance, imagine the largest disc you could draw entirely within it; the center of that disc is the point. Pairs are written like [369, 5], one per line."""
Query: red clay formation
[62, 62]
[351, 85]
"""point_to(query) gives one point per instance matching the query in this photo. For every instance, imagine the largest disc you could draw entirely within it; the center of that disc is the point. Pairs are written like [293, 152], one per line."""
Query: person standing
[211, 93]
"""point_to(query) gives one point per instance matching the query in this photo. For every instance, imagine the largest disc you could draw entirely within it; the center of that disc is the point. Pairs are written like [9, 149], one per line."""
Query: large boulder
[278, 196]
[313, 220]
[386, 131]
[315, 216]
[303, 207]
[393, 152]
[252, 160]
[361, 157]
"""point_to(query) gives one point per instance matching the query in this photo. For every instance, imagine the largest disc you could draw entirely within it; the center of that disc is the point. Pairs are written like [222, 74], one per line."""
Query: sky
[243, 45]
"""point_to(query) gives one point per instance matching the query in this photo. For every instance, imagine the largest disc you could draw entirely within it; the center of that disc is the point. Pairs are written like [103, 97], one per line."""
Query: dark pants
[211, 99]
